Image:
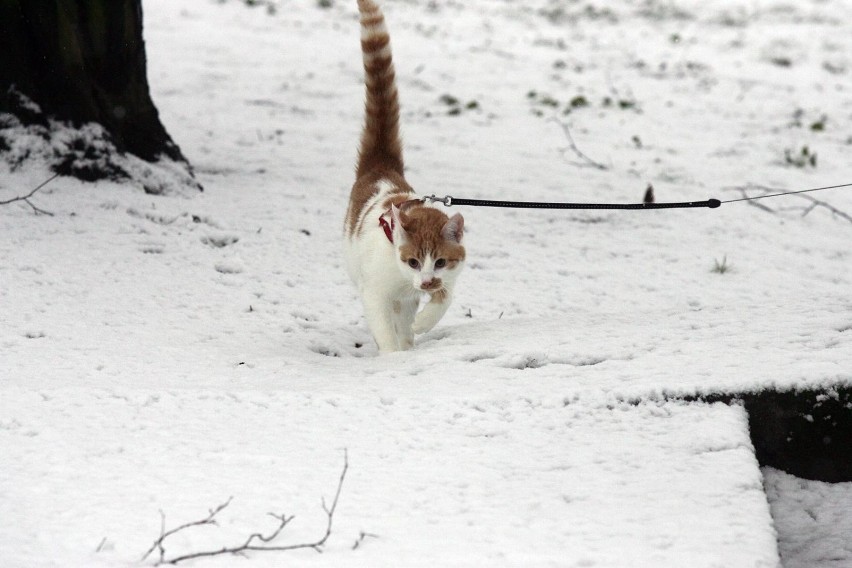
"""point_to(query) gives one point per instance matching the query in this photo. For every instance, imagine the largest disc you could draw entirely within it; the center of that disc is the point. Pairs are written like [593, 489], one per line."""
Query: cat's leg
[380, 320]
[433, 311]
[405, 311]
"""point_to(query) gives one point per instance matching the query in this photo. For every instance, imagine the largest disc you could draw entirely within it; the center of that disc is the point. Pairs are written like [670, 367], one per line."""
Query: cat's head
[428, 245]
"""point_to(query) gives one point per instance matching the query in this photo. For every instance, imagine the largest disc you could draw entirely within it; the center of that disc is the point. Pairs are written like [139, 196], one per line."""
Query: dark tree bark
[81, 61]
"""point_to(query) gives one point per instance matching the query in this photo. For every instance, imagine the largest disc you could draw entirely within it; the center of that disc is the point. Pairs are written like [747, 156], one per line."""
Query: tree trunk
[81, 61]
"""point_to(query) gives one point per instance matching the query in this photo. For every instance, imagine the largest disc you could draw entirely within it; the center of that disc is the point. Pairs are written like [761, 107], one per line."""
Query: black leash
[449, 201]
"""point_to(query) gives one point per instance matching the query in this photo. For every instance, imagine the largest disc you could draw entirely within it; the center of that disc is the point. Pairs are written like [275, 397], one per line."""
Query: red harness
[387, 227]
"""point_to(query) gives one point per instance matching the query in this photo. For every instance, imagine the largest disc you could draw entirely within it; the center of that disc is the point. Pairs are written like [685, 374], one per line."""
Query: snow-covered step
[439, 482]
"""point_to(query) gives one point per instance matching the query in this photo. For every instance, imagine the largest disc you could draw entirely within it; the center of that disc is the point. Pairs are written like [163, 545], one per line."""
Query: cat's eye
[413, 263]
[441, 263]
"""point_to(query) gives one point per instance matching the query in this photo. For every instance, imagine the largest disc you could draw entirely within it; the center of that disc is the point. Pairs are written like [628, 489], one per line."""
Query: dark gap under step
[806, 433]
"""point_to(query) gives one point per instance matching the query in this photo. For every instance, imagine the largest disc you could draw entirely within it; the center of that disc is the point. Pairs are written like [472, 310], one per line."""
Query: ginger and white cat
[397, 247]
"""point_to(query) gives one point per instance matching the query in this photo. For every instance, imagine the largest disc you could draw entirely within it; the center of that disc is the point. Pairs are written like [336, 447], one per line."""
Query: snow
[457, 482]
[86, 151]
[813, 519]
[166, 353]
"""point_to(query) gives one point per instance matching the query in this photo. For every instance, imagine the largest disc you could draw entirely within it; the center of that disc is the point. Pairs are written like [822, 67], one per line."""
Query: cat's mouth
[431, 285]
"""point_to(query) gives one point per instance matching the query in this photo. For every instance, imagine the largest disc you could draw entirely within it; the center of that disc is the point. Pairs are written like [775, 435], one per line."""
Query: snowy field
[167, 353]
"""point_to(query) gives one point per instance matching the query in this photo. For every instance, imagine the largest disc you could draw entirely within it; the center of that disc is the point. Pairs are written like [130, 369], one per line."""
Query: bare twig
[817, 203]
[586, 162]
[814, 203]
[250, 543]
[744, 192]
[158, 544]
[361, 538]
[26, 198]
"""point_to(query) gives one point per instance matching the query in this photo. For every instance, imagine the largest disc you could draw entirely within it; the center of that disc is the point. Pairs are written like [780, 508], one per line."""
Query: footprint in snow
[152, 249]
[220, 241]
[229, 267]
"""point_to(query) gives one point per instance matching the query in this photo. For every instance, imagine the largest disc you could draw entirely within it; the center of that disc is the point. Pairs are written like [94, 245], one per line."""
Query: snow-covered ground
[166, 353]
[813, 518]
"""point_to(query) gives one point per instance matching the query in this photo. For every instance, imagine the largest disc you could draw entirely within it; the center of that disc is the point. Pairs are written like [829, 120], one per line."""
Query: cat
[397, 248]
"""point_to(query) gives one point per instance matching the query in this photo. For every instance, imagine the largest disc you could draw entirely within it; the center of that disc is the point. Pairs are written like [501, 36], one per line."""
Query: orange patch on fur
[376, 43]
[365, 187]
[438, 296]
[423, 226]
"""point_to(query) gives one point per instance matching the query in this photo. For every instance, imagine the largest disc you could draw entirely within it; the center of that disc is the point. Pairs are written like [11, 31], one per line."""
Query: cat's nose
[430, 284]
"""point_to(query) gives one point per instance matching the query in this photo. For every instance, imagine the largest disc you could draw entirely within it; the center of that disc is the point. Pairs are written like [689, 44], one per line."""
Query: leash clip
[447, 201]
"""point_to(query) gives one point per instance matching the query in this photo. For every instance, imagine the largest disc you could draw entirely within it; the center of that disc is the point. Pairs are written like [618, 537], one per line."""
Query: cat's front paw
[423, 323]
[431, 314]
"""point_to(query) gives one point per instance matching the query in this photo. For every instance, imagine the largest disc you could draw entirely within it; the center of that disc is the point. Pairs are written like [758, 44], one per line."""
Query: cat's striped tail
[381, 147]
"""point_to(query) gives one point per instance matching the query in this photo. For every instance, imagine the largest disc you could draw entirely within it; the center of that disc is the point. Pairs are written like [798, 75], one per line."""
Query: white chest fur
[390, 290]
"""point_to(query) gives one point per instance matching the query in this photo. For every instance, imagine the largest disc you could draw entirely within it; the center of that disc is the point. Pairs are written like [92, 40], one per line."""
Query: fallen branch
[586, 162]
[361, 538]
[817, 203]
[26, 198]
[814, 203]
[158, 544]
[251, 543]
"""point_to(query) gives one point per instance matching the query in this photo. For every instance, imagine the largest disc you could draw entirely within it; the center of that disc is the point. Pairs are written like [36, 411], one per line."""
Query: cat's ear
[453, 229]
[398, 220]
